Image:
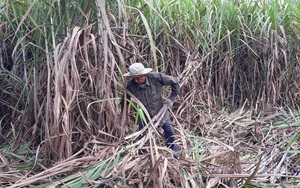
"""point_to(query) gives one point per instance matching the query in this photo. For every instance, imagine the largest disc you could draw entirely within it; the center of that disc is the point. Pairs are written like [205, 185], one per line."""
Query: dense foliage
[61, 66]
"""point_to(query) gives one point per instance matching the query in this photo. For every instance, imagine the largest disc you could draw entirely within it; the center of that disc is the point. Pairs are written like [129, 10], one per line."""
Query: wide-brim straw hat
[137, 69]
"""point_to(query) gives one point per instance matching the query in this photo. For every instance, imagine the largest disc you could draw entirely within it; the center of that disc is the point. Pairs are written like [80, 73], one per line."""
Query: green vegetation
[236, 118]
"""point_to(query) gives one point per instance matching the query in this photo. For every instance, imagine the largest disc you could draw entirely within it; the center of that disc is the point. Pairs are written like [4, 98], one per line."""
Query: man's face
[140, 79]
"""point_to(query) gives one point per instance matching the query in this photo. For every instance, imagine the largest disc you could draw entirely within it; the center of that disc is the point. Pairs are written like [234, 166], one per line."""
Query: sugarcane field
[148, 93]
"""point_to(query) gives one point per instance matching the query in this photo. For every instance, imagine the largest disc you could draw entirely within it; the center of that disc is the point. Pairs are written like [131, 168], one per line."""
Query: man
[146, 86]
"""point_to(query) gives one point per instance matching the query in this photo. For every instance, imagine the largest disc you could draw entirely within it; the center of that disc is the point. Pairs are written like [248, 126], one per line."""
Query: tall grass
[61, 66]
[240, 38]
[41, 43]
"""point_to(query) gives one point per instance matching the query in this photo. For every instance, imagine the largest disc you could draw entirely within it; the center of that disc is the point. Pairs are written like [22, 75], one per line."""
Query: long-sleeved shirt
[150, 93]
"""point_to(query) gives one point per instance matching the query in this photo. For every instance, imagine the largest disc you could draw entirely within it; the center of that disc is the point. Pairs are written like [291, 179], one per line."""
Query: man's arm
[173, 82]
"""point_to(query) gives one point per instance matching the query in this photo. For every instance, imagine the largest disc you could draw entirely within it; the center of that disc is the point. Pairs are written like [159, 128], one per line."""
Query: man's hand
[169, 102]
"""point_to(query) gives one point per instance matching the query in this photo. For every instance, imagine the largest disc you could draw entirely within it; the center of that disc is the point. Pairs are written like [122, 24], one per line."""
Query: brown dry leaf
[212, 182]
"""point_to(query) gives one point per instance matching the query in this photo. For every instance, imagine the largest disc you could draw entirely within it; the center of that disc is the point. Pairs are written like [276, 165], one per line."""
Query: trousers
[168, 134]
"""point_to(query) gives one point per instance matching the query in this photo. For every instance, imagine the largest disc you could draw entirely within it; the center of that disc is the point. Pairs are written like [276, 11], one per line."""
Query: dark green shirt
[150, 93]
